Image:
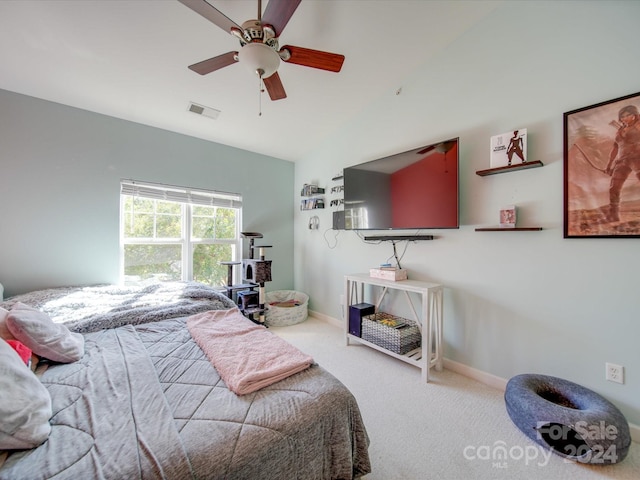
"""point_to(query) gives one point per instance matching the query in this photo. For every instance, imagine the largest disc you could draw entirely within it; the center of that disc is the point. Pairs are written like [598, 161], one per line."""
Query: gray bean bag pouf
[573, 421]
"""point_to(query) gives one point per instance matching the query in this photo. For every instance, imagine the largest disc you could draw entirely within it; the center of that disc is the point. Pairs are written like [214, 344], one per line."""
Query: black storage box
[356, 312]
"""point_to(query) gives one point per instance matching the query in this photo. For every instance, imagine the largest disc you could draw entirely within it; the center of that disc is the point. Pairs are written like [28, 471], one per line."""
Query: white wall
[60, 172]
[515, 302]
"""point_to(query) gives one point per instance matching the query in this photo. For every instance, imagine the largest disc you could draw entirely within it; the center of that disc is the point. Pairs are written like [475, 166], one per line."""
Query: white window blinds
[172, 193]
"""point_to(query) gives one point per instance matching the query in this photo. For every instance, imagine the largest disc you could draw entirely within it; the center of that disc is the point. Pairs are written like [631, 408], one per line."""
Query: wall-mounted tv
[417, 189]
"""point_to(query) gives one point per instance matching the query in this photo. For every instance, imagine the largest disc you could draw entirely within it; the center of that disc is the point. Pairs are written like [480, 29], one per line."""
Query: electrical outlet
[614, 373]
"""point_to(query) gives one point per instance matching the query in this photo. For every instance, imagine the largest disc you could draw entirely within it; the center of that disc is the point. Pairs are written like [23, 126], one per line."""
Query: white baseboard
[470, 372]
[501, 384]
[326, 318]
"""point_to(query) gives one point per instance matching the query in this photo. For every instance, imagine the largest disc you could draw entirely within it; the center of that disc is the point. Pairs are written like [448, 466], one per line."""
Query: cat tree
[255, 273]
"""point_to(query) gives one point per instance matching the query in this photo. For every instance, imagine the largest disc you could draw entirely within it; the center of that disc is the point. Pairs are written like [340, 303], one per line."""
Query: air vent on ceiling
[204, 111]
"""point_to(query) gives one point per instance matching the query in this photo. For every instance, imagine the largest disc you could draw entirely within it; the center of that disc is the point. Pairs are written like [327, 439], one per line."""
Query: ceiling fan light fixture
[260, 59]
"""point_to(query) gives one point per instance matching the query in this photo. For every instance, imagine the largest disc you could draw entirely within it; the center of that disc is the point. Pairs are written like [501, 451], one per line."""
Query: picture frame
[508, 148]
[602, 169]
[508, 216]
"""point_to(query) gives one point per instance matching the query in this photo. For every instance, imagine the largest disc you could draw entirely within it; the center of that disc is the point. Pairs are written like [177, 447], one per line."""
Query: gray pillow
[47, 339]
[25, 404]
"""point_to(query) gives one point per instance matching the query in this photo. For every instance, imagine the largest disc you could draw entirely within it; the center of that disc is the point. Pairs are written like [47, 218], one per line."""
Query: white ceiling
[128, 59]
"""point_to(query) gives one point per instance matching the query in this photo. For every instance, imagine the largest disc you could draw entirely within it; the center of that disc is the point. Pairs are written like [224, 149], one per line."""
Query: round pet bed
[572, 420]
[285, 308]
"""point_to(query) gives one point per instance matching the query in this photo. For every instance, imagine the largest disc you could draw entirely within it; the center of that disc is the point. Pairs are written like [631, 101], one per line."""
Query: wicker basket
[283, 316]
[393, 333]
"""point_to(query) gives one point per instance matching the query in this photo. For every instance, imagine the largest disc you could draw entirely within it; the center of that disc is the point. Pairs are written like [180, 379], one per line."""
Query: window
[172, 233]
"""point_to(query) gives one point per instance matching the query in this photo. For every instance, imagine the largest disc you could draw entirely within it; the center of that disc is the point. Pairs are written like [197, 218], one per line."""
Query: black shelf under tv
[391, 238]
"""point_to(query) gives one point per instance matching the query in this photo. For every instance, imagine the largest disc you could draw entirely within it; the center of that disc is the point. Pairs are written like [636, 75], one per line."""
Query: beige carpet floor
[453, 428]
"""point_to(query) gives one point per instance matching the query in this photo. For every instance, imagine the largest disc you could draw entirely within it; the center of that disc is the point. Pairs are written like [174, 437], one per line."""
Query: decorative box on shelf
[388, 273]
[393, 333]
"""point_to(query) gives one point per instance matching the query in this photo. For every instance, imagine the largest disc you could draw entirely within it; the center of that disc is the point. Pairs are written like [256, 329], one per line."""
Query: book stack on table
[384, 272]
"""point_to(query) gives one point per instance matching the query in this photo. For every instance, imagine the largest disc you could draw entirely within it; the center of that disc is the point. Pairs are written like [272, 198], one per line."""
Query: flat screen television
[417, 189]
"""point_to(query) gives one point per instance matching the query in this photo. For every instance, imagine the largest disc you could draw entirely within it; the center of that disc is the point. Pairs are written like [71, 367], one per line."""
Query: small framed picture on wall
[602, 169]
[508, 216]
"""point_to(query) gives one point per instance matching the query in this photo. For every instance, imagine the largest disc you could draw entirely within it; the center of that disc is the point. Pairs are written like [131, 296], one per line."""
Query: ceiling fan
[260, 51]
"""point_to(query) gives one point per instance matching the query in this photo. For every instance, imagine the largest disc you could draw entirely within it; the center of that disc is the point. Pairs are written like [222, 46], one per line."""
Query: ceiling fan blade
[274, 86]
[211, 13]
[278, 13]
[425, 150]
[215, 63]
[314, 58]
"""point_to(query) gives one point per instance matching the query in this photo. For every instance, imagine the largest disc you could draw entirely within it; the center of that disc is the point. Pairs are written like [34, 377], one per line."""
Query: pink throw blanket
[246, 355]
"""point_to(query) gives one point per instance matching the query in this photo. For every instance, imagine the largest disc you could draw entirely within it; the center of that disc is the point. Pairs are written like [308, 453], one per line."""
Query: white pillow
[47, 339]
[4, 331]
[25, 404]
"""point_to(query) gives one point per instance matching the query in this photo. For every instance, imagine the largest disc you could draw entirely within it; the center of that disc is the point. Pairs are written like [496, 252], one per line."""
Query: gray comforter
[92, 308]
[144, 402]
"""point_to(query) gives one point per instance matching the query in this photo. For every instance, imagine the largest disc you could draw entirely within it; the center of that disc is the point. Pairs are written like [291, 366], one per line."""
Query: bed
[144, 400]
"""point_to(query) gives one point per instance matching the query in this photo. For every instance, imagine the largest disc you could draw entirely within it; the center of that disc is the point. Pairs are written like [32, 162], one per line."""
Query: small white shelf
[312, 197]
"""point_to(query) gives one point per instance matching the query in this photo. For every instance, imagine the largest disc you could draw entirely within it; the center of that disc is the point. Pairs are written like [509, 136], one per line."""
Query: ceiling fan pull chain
[260, 90]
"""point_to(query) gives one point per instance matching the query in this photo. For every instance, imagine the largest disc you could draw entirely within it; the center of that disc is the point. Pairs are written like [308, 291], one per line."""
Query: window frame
[187, 198]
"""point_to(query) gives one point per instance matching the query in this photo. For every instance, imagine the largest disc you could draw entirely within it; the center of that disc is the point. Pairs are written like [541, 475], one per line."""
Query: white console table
[429, 319]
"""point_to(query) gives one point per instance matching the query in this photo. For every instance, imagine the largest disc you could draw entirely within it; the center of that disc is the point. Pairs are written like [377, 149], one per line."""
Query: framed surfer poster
[602, 169]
